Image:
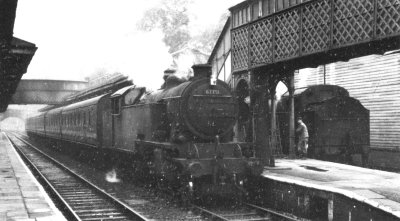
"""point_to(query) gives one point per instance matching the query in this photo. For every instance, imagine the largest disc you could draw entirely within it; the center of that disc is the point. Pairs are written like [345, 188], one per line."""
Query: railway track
[84, 201]
[78, 198]
[244, 212]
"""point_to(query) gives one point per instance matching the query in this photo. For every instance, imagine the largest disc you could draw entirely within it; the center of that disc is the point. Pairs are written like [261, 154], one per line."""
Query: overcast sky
[76, 38]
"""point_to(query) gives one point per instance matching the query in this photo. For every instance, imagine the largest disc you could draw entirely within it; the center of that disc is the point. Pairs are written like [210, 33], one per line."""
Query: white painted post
[330, 209]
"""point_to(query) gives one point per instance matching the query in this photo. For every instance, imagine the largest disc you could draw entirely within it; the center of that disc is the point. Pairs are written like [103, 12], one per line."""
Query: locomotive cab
[126, 96]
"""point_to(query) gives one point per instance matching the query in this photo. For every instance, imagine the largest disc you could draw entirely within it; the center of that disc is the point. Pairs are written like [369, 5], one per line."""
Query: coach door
[105, 122]
[115, 118]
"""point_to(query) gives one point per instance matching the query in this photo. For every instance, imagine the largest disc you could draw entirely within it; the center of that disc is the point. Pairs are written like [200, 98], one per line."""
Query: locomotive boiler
[338, 124]
[180, 134]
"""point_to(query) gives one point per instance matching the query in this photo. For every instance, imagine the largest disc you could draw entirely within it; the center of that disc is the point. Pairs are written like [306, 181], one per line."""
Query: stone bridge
[45, 91]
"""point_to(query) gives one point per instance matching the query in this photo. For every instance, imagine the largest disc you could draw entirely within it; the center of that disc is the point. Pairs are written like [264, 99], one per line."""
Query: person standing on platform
[302, 132]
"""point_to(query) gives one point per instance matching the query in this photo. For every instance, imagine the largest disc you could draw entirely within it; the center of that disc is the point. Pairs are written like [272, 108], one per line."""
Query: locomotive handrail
[240, 150]
[207, 96]
[197, 151]
[172, 97]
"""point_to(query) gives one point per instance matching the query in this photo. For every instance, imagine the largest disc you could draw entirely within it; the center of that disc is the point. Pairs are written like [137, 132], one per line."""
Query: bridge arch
[12, 124]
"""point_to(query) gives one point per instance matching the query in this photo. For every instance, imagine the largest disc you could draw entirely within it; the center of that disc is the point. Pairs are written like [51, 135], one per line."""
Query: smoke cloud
[77, 38]
[142, 56]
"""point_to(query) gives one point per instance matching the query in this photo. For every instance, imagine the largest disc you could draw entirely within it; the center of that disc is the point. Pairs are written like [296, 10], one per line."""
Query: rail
[244, 211]
[63, 183]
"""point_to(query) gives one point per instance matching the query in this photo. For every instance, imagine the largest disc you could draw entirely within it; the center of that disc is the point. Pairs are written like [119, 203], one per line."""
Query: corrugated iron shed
[374, 80]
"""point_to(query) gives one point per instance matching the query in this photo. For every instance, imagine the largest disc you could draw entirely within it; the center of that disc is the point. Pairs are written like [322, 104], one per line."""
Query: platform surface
[21, 196]
[375, 187]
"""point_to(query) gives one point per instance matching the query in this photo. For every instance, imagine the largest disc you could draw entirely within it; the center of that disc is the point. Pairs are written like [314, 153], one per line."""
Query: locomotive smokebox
[201, 70]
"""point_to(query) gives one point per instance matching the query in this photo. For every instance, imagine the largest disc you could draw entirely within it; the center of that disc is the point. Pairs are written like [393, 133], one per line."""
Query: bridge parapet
[298, 36]
[45, 91]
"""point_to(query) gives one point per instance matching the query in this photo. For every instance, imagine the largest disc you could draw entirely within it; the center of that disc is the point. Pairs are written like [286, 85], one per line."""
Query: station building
[373, 80]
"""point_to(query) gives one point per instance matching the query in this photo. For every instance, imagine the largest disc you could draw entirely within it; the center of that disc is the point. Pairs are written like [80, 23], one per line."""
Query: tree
[205, 41]
[172, 18]
[176, 22]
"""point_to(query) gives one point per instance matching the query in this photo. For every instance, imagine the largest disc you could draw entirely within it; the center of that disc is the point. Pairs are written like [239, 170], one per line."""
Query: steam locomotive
[338, 124]
[179, 134]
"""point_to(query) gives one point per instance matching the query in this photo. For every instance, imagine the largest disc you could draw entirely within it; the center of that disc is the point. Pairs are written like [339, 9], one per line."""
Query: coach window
[87, 117]
[248, 9]
[268, 7]
[245, 16]
[116, 104]
[279, 5]
[89, 120]
[90, 117]
[240, 17]
[133, 96]
[255, 11]
[237, 18]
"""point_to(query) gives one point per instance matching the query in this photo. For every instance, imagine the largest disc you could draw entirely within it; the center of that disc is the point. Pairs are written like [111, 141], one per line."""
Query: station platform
[21, 196]
[377, 189]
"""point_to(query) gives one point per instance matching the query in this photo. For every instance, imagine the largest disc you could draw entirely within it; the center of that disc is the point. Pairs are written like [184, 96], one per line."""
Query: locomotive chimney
[201, 71]
[168, 72]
